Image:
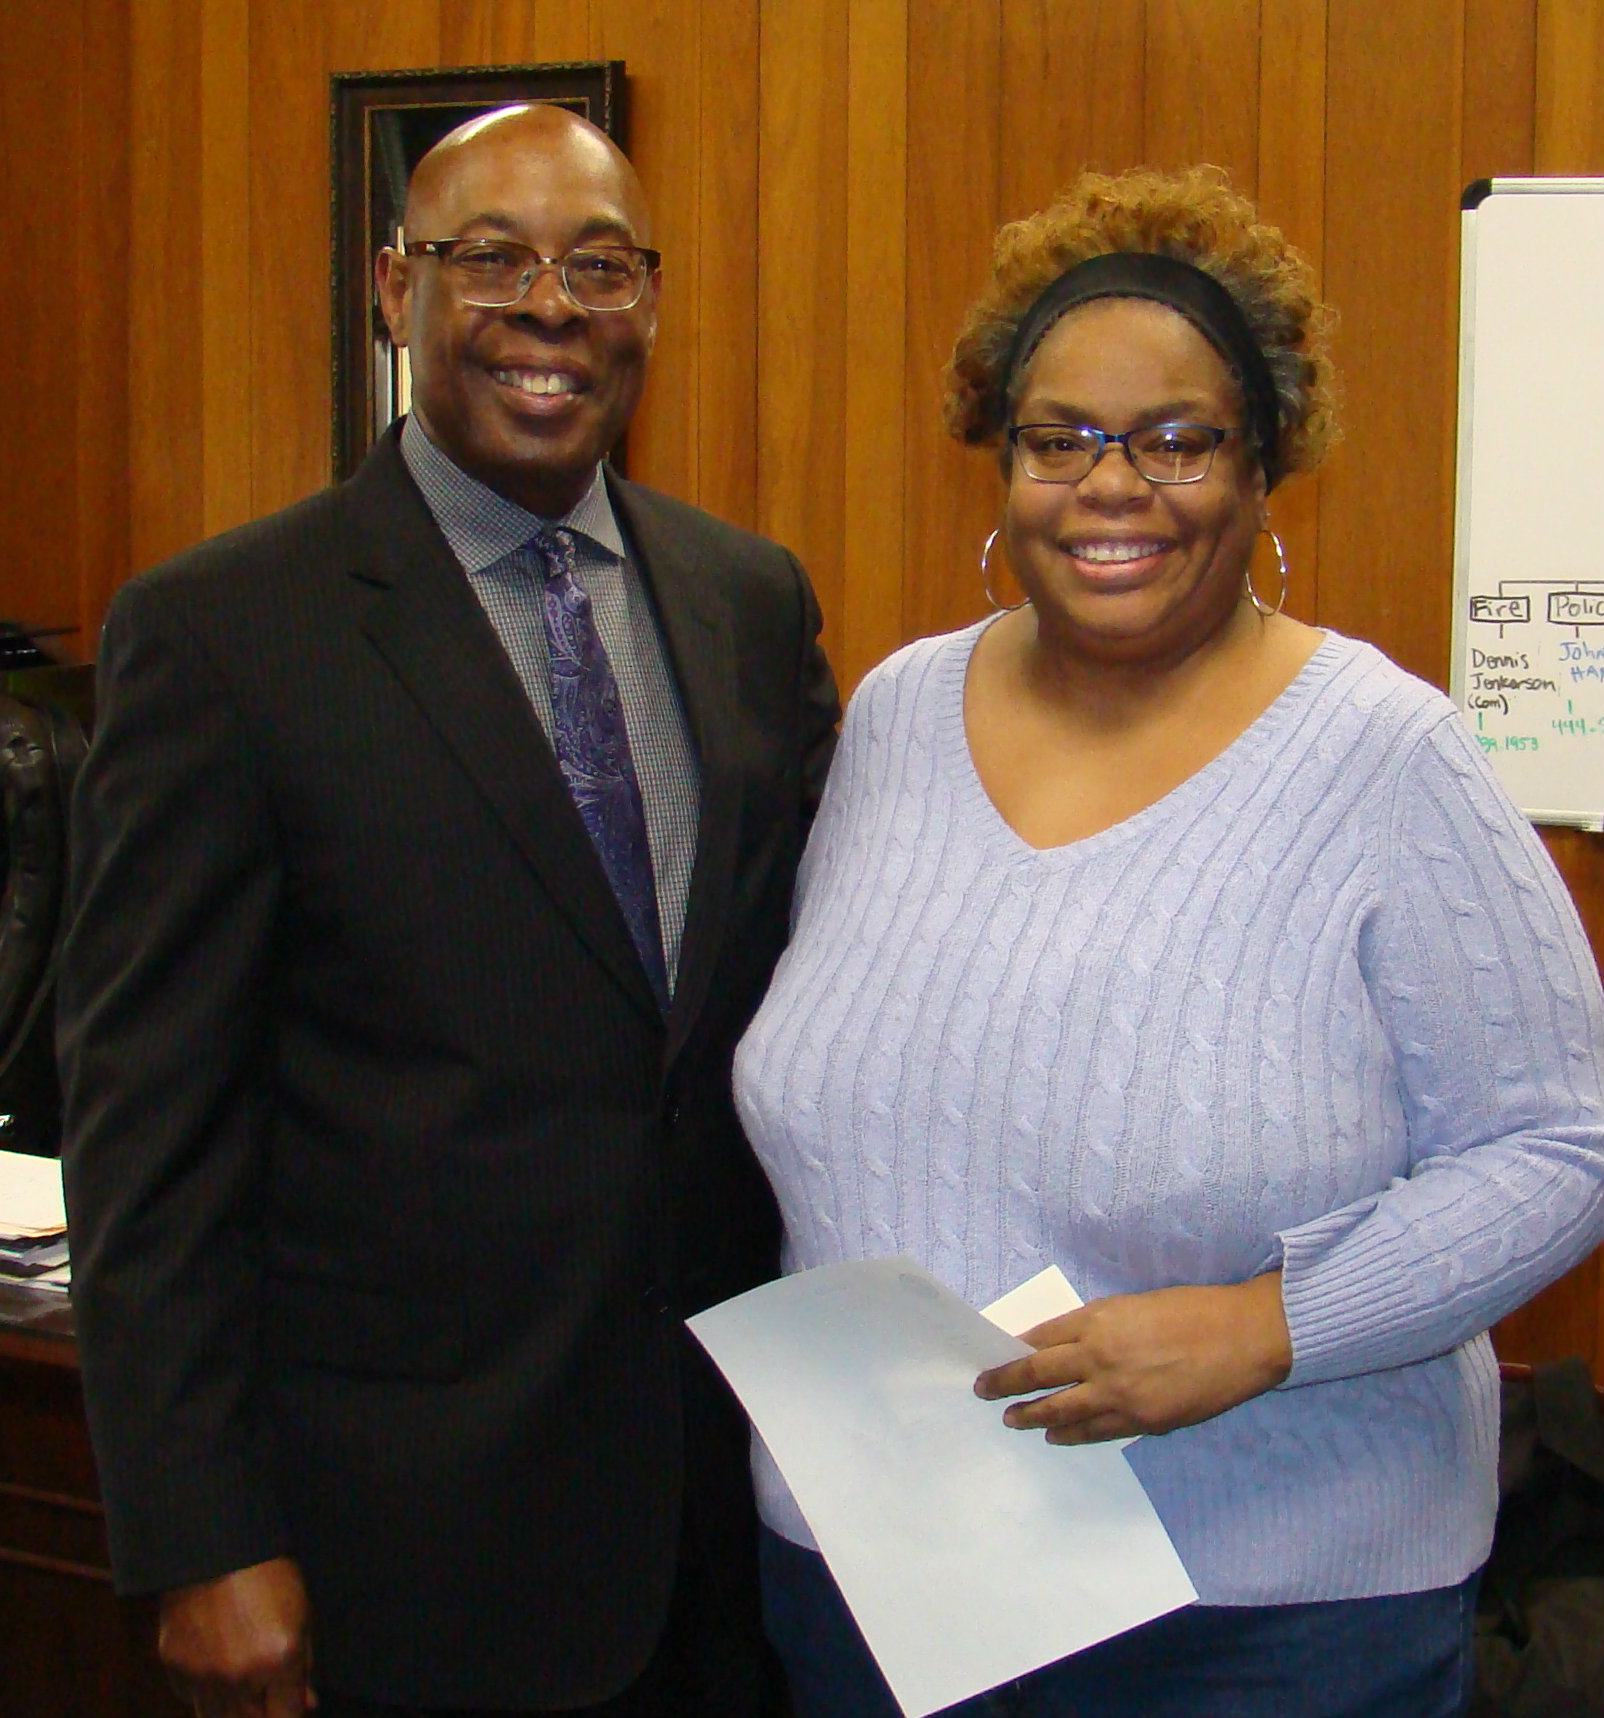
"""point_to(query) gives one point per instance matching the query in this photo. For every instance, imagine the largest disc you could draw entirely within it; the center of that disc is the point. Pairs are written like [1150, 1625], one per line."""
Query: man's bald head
[536, 129]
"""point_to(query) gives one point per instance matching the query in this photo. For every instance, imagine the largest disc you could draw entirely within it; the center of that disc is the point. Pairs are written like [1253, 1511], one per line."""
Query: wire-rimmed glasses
[494, 274]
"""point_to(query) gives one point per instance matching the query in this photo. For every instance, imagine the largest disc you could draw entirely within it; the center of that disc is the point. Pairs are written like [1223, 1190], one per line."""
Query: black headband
[1197, 296]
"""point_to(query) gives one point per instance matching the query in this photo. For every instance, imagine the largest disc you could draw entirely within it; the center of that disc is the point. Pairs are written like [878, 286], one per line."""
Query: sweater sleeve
[1479, 970]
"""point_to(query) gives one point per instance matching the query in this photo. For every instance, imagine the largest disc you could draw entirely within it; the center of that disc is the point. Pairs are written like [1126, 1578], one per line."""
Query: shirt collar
[481, 526]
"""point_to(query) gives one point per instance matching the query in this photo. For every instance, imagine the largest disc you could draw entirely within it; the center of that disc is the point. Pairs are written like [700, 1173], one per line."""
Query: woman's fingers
[1046, 1369]
[1147, 1362]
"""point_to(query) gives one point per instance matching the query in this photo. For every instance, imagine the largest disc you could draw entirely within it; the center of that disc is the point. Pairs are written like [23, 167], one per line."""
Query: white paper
[969, 1553]
[31, 1201]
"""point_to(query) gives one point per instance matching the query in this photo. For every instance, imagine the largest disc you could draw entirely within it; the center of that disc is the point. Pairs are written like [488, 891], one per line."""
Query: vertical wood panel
[29, 591]
[661, 44]
[165, 355]
[802, 168]
[375, 35]
[513, 32]
[875, 269]
[1570, 86]
[1202, 85]
[100, 460]
[1071, 95]
[727, 278]
[62, 309]
[224, 219]
[1500, 88]
[1391, 248]
[486, 32]
[289, 223]
[952, 495]
[1291, 193]
[1292, 121]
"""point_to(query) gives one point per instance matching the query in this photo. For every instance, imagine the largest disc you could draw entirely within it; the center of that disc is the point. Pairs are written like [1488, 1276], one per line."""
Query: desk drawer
[44, 1530]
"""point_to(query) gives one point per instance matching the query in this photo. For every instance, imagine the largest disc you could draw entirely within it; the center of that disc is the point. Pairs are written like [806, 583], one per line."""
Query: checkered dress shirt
[485, 532]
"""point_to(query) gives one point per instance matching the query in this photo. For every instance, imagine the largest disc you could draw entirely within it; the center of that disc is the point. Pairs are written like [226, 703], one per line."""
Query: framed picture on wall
[382, 124]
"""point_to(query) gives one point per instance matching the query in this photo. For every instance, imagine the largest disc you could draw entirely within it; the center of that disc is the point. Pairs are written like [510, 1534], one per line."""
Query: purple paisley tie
[592, 746]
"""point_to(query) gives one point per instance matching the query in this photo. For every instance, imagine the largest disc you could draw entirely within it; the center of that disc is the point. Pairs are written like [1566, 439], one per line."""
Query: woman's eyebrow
[1168, 411]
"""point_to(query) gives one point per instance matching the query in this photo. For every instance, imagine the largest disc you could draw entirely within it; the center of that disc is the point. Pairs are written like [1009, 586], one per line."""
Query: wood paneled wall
[826, 176]
[64, 261]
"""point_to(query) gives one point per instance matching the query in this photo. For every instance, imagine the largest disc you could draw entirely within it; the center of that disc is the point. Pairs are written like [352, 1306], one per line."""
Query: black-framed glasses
[494, 274]
[1162, 453]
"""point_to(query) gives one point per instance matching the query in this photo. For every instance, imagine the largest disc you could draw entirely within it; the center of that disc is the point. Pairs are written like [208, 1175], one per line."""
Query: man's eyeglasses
[1162, 453]
[494, 274]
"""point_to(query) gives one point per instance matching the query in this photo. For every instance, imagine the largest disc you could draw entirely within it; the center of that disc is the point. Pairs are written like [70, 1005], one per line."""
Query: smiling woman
[1149, 933]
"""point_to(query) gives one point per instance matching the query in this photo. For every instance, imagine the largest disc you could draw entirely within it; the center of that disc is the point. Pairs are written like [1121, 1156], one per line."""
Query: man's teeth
[538, 381]
[1115, 551]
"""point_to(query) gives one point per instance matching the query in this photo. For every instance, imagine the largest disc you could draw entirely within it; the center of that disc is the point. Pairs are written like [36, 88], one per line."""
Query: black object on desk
[45, 719]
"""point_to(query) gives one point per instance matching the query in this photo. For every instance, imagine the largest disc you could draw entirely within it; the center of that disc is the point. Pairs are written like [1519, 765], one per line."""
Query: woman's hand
[1147, 1362]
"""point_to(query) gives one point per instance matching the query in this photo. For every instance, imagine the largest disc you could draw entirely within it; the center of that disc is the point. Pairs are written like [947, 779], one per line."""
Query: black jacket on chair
[389, 1183]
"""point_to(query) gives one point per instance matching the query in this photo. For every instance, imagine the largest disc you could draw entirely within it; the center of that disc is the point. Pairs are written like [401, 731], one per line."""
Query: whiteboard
[1528, 634]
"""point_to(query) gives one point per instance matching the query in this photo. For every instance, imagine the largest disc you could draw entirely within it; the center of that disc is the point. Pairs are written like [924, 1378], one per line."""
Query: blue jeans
[1406, 1656]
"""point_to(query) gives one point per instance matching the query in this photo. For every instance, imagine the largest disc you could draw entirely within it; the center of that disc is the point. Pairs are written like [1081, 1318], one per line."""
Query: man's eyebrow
[605, 226]
[491, 218]
[597, 227]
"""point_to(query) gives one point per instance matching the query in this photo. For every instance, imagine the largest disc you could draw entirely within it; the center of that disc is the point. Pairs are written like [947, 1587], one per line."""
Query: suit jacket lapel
[696, 628]
[429, 627]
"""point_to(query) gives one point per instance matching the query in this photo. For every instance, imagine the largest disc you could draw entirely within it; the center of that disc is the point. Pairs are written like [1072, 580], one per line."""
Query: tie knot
[552, 551]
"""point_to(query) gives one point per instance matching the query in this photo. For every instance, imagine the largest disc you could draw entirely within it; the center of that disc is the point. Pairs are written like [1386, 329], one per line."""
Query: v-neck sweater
[1324, 1007]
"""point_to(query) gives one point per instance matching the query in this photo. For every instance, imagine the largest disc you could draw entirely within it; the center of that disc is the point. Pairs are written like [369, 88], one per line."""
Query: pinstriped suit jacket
[389, 1184]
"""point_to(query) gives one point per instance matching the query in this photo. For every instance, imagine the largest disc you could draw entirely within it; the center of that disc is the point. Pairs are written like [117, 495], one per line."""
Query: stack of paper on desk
[33, 1220]
[970, 1554]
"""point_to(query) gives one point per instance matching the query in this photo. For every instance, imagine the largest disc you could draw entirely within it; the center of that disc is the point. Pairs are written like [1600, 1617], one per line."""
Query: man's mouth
[543, 383]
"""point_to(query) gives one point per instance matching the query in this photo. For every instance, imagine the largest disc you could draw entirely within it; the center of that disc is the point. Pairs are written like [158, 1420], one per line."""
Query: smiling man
[435, 848]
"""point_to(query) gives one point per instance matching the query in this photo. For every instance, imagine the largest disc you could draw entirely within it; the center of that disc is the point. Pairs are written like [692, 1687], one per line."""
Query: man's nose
[546, 298]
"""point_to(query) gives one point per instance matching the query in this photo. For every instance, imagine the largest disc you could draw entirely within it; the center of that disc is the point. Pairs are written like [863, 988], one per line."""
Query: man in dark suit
[436, 845]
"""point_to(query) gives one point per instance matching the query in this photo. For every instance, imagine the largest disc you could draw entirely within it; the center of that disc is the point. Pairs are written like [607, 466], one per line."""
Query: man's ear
[394, 281]
[656, 288]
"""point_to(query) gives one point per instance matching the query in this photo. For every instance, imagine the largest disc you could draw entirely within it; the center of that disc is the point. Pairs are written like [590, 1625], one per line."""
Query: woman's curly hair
[1195, 216]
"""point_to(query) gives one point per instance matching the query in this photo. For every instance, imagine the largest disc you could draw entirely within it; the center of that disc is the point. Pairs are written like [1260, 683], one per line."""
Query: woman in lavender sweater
[1147, 932]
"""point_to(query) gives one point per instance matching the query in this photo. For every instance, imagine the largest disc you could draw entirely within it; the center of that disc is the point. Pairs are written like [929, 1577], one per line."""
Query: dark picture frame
[381, 125]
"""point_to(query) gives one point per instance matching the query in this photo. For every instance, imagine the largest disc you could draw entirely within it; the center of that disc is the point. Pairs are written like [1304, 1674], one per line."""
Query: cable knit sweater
[1325, 1006]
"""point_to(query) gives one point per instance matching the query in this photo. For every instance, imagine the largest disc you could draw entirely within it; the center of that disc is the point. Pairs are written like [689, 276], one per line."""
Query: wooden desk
[68, 1647]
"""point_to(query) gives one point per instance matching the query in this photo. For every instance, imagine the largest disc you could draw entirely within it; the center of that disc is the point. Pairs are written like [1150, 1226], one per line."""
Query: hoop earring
[985, 578]
[1263, 607]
